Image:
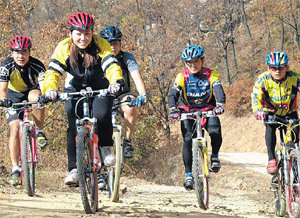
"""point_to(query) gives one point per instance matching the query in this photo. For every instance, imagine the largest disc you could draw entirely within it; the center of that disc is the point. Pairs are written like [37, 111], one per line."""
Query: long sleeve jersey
[279, 97]
[198, 90]
[105, 71]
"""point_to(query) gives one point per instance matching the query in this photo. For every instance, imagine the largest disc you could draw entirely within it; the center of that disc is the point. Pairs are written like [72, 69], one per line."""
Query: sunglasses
[277, 68]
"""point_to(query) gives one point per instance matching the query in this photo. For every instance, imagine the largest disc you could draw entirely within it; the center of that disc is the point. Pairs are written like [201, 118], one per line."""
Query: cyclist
[129, 67]
[197, 88]
[275, 91]
[21, 77]
[89, 62]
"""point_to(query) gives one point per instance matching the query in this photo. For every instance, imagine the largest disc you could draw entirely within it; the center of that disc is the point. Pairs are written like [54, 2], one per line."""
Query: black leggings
[270, 136]
[213, 127]
[101, 109]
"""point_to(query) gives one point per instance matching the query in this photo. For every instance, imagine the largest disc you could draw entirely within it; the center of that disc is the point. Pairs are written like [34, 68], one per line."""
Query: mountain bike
[89, 159]
[114, 172]
[201, 171]
[286, 182]
[28, 151]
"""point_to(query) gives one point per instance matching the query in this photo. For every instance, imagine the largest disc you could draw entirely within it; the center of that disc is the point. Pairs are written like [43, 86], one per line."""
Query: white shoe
[72, 177]
[108, 155]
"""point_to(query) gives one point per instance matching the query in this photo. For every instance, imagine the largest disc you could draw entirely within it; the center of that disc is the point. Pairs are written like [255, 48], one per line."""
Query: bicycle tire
[114, 172]
[28, 172]
[87, 177]
[200, 179]
[280, 202]
[293, 189]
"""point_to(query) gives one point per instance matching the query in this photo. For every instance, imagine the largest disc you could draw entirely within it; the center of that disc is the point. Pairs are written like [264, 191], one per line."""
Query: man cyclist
[129, 67]
[197, 88]
[275, 91]
[89, 62]
[20, 76]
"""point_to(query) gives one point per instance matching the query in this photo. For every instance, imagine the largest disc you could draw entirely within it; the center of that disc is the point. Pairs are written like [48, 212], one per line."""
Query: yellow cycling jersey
[279, 97]
[106, 69]
[22, 79]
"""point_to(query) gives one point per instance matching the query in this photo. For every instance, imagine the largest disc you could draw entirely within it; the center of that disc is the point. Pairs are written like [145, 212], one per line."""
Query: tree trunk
[297, 36]
[267, 29]
[228, 79]
[282, 33]
[245, 20]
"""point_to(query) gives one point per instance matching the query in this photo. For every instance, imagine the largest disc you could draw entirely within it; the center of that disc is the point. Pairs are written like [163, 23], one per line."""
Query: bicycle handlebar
[274, 119]
[66, 96]
[129, 102]
[194, 115]
[25, 103]
[84, 92]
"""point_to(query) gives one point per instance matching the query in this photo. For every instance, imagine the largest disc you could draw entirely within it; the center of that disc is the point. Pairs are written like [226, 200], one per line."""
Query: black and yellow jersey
[279, 97]
[22, 79]
[106, 70]
[198, 90]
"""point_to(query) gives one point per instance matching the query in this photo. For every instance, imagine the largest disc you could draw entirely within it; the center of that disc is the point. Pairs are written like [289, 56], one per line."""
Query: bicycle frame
[288, 164]
[118, 127]
[31, 125]
[200, 135]
[89, 159]
[27, 143]
[200, 169]
[286, 141]
[90, 124]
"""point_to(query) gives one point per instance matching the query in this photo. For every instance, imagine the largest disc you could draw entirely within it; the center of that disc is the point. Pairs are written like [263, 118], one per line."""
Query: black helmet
[111, 33]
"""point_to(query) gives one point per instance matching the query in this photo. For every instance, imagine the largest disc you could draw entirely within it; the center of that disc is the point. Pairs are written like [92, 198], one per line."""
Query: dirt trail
[240, 189]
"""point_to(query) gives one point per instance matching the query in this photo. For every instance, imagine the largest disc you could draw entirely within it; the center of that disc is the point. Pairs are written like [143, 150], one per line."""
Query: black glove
[44, 100]
[6, 102]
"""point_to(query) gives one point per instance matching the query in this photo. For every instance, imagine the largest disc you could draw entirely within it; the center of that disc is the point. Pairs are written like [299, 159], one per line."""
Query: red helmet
[19, 43]
[80, 21]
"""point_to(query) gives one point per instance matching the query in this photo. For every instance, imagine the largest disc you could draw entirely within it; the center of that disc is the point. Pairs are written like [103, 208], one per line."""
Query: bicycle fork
[32, 135]
[202, 142]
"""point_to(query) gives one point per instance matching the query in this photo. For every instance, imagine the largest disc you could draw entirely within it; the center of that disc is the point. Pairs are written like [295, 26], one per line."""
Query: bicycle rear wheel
[293, 189]
[87, 177]
[28, 170]
[114, 172]
[200, 178]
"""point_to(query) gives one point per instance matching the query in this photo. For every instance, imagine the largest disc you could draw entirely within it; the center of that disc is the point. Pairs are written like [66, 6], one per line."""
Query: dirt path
[240, 189]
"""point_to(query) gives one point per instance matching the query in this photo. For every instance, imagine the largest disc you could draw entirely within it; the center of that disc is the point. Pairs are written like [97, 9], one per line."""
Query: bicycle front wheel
[114, 172]
[28, 170]
[279, 194]
[293, 188]
[87, 177]
[200, 177]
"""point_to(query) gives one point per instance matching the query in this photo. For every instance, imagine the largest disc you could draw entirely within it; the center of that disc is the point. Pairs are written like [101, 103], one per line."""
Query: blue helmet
[111, 33]
[192, 52]
[277, 59]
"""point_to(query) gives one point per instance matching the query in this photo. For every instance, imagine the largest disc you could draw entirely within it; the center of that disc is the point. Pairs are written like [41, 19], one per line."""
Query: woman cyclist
[89, 62]
[275, 91]
[197, 88]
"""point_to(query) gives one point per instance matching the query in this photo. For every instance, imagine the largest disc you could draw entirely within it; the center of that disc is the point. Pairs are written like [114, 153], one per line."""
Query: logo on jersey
[4, 72]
